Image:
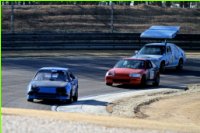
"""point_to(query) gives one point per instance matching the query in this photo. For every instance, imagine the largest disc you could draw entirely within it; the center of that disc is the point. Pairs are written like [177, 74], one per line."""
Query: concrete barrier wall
[56, 41]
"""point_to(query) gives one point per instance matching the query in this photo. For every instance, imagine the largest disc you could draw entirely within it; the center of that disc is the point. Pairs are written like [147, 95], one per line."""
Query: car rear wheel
[75, 97]
[156, 80]
[180, 65]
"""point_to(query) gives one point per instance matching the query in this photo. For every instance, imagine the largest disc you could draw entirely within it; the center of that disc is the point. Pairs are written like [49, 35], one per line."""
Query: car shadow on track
[147, 87]
[79, 102]
[90, 102]
[48, 102]
[184, 72]
[136, 87]
[173, 87]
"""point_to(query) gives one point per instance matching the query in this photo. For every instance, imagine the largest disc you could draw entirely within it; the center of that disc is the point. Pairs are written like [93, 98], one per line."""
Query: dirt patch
[173, 107]
[130, 107]
[18, 120]
[181, 109]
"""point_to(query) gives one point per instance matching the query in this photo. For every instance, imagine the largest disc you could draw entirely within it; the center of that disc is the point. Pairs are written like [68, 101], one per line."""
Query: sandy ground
[184, 108]
[29, 121]
[176, 112]
[180, 109]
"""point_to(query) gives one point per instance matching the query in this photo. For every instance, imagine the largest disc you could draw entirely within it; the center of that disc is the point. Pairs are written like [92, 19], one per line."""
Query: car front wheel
[156, 80]
[180, 65]
[143, 81]
[29, 99]
[162, 67]
[109, 84]
[75, 97]
[70, 97]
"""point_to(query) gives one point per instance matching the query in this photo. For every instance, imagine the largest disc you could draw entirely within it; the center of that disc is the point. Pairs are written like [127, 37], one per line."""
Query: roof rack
[160, 32]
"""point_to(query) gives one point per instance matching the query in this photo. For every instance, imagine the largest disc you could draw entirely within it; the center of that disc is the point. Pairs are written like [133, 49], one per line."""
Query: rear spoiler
[160, 32]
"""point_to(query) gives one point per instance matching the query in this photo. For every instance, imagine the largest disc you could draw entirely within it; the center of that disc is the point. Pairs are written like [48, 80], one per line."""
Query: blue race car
[53, 83]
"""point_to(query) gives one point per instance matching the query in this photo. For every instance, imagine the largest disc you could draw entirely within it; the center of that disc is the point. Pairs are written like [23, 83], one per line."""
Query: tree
[184, 4]
[168, 3]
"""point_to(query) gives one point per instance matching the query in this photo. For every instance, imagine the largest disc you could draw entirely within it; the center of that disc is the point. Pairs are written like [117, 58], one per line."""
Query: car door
[150, 70]
[176, 55]
[169, 56]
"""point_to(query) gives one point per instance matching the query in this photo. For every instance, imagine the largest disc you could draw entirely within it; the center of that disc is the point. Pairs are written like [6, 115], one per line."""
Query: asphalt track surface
[90, 70]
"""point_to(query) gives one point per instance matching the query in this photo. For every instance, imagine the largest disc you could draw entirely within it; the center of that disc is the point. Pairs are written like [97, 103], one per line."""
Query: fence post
[111, 17]
[12, 17]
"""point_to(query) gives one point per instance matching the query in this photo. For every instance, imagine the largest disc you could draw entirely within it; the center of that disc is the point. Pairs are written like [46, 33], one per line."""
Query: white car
[164, 55]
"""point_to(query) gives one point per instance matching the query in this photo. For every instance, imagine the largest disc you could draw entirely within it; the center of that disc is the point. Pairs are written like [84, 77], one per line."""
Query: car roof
[133, 58]
[54, 68]
[158, 44]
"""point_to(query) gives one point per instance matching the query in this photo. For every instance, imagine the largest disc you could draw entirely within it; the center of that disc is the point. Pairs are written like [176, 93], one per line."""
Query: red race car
[133, 71]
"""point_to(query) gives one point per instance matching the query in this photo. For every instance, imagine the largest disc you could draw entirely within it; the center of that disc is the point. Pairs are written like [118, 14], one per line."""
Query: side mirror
[136, 51]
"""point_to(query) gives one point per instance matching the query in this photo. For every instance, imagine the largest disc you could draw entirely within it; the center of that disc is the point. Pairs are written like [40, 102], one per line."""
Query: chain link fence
[96, 18]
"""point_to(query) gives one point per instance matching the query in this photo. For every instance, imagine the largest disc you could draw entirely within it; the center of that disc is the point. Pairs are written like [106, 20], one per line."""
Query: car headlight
[110, 73]
[29, 88]
[135, 75]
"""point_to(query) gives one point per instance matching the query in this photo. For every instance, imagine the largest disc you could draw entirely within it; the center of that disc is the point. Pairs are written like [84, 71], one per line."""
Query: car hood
[150, 57]
[48, 83]
[126, 70]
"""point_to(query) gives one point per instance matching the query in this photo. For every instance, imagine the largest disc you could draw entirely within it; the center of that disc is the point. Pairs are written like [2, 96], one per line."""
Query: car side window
[169, 50]
[71, 76]
[68, 77]
[176, 50]
[148, 65]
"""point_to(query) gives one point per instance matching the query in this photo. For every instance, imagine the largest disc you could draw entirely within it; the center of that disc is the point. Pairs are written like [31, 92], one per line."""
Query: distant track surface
[17, 72]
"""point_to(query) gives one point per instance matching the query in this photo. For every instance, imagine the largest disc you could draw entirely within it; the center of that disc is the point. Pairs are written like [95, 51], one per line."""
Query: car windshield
[153, 50]
[134, 64]
[49, 75]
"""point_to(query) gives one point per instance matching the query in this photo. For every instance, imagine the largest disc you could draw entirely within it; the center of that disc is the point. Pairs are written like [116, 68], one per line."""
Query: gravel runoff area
[137, 106]
[131, 111]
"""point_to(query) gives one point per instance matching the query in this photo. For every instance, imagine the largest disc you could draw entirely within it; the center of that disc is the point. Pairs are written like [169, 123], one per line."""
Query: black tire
[180, 65]
[70, 97]
[109, 84]
[162, 67]
[30, 100]
[75, 98]
[156, 80]
[143, 81]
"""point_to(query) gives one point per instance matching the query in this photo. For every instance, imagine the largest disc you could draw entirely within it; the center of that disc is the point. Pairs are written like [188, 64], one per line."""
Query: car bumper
[130, 81]
[47, 96]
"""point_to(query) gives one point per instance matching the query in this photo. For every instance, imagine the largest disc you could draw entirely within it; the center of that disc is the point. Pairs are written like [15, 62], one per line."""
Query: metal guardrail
[105, 41]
